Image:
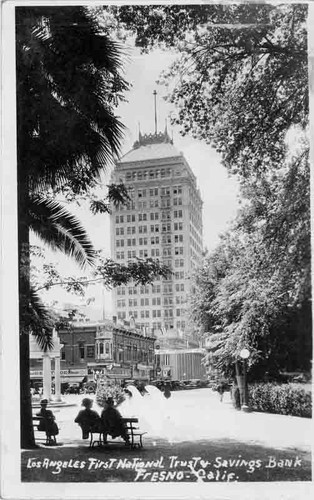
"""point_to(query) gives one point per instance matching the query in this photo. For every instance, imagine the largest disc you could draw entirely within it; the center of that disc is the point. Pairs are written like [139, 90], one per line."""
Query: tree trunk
[26, 423]
[27, 431]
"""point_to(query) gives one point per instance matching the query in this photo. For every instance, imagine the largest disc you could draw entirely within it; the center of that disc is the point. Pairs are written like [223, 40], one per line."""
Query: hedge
[285, 399]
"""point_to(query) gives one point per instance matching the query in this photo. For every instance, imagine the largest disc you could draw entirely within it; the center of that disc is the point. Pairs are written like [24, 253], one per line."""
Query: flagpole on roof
[155, 94]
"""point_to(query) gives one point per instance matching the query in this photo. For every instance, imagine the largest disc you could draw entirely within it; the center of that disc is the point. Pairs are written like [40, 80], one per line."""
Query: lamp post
[244, 355]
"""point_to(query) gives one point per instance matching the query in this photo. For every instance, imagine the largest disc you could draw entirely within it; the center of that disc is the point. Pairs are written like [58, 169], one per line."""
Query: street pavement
[198, 414]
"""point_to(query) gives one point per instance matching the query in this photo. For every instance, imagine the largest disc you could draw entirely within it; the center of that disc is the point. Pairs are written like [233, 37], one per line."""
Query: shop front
[70, 376]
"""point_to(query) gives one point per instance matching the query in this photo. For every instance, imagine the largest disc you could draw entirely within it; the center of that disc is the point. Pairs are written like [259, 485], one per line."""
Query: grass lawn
[209, 461]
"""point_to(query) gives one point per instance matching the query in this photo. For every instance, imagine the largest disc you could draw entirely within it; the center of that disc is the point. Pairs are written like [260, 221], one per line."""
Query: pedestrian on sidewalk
[167, 392]
[88, 419]
[221, 390]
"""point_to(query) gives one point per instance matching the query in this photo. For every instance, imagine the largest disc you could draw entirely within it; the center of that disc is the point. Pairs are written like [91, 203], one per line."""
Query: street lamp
[244, 355]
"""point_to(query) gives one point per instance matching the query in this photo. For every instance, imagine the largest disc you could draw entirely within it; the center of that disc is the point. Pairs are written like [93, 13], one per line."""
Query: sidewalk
[199, 415]
[201, 440]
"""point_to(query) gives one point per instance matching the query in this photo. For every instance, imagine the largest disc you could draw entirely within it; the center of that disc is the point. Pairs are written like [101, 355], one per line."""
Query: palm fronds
[60, 230]
[37, 320]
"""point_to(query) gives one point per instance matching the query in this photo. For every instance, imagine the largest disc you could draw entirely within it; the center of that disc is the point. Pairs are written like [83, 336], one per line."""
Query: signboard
[125, 372]
[166, 371]
[73, 372]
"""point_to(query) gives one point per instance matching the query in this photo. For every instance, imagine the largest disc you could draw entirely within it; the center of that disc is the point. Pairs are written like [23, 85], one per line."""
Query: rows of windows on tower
[162, 220]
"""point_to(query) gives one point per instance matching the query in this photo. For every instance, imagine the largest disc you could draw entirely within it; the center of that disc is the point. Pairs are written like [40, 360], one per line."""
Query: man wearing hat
[47, 422]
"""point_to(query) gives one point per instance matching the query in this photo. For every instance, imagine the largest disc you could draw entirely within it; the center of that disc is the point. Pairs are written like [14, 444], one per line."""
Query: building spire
[155, 94]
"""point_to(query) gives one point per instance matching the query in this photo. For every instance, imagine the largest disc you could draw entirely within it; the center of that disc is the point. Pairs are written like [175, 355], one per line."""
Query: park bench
[133, 431]
[47, 438]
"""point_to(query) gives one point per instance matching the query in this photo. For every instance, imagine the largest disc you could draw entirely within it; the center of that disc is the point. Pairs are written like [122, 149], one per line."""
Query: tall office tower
[163, 220]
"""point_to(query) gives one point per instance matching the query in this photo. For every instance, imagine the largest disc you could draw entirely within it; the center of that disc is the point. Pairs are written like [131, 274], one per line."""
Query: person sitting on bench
[112, 422]
[47, 422]
[88, 419]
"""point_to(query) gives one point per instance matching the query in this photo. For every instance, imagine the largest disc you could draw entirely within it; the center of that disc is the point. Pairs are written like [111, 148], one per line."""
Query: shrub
[108, 389]
[285, 399]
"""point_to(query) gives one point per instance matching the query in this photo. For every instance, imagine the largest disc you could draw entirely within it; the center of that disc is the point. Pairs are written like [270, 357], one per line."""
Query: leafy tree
[253, 290]
[105, 271]
[240, 83]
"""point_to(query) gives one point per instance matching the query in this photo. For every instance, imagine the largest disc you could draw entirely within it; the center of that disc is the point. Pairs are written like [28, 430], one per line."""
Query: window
[178, 238]
[166, 203]
[154, 252]
[166, 227]
[141, 193]
[178, 251]
[179, 263]
[101, 348]
[166, 238]
[177, 214]
[81, 351]
[143, 253]
[63, 354]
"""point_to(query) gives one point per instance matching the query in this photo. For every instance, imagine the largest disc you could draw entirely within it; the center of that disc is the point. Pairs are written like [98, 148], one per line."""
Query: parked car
[73, 389]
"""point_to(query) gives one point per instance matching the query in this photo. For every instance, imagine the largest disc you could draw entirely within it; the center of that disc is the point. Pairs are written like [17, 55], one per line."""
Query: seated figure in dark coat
[112, 422]
[47, 422]
[88, 419]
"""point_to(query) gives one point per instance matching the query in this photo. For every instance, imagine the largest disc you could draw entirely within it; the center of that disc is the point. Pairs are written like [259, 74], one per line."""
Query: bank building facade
[162, 220]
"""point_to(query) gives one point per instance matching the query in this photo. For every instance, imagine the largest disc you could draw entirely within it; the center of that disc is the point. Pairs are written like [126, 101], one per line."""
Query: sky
[219, 192]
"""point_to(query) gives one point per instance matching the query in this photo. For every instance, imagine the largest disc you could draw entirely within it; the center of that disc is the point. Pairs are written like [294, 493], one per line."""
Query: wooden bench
[133, 431]
[49, 439]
